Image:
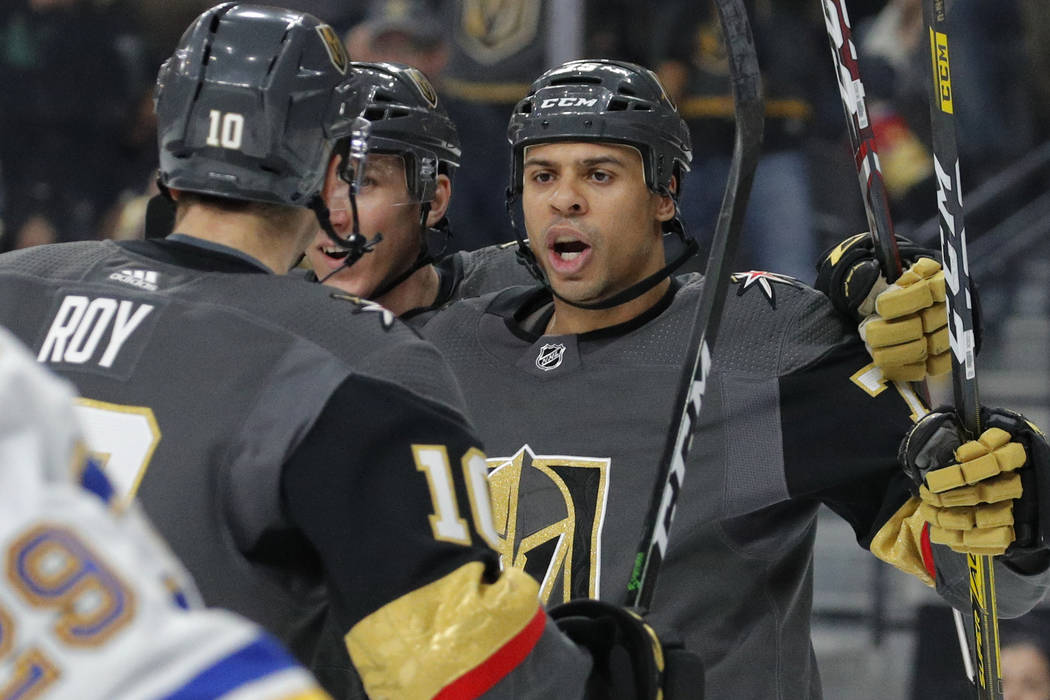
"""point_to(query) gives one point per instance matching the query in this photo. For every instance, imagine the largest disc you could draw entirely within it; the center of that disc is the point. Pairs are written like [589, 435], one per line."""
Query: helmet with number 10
[251, 105]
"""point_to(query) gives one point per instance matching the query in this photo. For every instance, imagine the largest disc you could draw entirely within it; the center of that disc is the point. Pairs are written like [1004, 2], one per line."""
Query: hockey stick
[862, 137]
[872, 185]
[988, 681]
[749, 108]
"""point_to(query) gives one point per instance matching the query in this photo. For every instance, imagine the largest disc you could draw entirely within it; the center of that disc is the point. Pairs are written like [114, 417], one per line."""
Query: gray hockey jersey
[794, 415]
[304, 453]
[469, 274]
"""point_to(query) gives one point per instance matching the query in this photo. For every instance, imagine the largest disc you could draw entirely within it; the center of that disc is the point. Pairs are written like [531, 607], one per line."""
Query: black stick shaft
[988, 672]
[749, 108]
[862, 137]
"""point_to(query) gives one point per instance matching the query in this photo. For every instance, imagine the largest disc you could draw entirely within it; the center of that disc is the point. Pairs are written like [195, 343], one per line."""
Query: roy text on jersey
[81, 324]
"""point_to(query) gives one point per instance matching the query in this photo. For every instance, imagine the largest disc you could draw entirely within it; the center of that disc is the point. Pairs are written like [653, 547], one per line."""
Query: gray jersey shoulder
[490, 269]
[359, 334]
[772, 327]
[474, 273]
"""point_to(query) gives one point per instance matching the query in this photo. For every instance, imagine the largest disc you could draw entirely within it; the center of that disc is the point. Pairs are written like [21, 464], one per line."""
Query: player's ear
[665, 207]
[442, 197]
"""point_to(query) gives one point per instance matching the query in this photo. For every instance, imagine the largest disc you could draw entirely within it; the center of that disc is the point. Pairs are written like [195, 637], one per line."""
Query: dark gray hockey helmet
[251, 104]
[407, 119]
[603, 100]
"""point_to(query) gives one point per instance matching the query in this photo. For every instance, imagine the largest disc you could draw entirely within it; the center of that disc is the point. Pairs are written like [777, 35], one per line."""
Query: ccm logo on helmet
[568, 102]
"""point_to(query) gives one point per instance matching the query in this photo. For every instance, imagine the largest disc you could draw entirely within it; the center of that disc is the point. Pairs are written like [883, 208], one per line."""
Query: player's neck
[419, 289]
[568, 319]
[246, 232]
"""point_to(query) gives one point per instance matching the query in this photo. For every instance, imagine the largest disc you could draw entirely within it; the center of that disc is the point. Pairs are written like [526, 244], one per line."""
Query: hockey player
[571, 386]
[68, 544]
[413, 151]
[303, 453]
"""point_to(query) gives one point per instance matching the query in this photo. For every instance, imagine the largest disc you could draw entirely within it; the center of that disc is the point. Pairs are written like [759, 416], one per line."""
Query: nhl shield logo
[550, 356]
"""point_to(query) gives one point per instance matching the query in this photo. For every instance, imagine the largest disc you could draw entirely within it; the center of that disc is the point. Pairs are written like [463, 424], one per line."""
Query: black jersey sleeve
[389, 487]
[842, 425]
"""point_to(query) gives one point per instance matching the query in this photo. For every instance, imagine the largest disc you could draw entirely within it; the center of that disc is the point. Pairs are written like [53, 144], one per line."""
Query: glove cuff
[1027, 563]
[628, 658]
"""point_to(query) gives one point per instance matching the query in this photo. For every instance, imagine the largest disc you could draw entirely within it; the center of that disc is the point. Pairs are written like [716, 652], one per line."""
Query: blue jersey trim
[256, 660]
[94, 480]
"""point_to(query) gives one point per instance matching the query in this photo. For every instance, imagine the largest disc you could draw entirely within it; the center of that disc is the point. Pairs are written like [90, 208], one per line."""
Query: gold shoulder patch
[447, 634]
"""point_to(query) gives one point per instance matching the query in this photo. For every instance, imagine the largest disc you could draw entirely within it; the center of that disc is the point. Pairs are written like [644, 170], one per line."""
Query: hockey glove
[989, 496]
[630, 662]
[904, 325]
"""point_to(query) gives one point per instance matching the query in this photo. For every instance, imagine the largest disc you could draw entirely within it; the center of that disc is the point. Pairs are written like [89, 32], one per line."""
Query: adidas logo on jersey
[143, 279]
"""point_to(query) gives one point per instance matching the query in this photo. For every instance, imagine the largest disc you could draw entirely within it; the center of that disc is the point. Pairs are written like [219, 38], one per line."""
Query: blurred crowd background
[78, 155]
[77, 143]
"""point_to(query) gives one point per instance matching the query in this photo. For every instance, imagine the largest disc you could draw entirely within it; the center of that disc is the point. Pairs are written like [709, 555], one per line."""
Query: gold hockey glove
[903, 325]
[907, 335]
[982, 496]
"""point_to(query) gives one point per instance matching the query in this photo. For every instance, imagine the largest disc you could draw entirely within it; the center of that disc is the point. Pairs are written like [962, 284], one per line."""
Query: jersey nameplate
[91, 331]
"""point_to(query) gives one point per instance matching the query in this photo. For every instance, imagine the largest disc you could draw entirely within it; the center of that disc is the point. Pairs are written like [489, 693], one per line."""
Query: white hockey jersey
[92, 604]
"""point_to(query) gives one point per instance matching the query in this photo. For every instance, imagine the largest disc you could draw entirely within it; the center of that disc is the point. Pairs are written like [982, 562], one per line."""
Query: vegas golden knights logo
[334, 47]
[556, 537]
[492, 30]
[426, 90]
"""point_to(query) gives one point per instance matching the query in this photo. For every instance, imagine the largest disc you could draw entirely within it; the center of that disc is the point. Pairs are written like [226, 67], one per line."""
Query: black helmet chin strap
[355, 244]
[638, 288]
[527, 258]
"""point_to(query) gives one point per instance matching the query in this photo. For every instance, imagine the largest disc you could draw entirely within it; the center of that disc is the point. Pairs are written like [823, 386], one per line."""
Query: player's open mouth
[334, 252]
[569, 250]
[567, 254]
